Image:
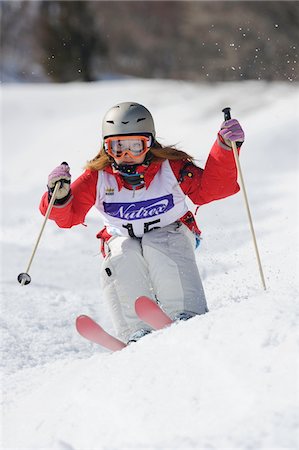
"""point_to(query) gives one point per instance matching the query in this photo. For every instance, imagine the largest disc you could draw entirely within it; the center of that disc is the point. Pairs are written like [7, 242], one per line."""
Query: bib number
[147, 227]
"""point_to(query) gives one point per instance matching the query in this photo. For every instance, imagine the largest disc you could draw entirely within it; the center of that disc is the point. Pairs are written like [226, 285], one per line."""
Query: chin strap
[133, 178]
[130, 172]
[125, 169]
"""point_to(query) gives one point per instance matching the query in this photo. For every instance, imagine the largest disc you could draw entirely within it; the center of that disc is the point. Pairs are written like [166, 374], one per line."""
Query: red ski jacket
[217, 180]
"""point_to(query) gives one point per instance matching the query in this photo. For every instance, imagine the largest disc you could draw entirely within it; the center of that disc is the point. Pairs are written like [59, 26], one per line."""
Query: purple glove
[60, 173]
[230, 131]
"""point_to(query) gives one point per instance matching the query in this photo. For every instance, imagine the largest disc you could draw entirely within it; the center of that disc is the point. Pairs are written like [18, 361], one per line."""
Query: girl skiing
[140, 189]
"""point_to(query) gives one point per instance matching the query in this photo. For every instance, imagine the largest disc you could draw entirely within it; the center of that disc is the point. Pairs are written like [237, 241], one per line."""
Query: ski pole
[24, 277]
[227, 116]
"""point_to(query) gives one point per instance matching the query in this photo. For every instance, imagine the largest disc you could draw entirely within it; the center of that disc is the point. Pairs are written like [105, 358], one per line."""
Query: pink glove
[230, 131]
[62, 174]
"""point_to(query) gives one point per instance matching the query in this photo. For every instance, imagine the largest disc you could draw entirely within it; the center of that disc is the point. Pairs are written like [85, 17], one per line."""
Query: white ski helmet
[128, 118]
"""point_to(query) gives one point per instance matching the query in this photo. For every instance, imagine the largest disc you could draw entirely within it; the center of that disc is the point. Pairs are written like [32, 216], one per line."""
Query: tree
[70, 40]
[192, 40]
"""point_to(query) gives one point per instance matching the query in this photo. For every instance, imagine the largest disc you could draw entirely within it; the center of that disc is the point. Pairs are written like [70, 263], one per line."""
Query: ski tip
[151, 313]
[81, 317]
[93, 331]
[138, 305]
[81, 320]
[142, 301]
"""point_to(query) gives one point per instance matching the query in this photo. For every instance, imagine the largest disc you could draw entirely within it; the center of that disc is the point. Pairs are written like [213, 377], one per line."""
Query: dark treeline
[65, 41]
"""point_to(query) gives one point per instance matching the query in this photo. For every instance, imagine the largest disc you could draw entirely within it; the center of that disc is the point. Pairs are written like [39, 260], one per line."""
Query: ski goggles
[134, 146]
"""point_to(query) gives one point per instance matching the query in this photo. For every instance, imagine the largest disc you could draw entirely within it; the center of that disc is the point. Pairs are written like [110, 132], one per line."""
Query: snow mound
[228, 379]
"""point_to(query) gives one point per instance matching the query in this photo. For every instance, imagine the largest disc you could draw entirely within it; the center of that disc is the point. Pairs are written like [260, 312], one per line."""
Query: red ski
[148, 311]
[92, 331]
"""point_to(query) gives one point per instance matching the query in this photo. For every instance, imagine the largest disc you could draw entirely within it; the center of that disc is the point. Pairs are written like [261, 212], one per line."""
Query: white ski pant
[160, 265]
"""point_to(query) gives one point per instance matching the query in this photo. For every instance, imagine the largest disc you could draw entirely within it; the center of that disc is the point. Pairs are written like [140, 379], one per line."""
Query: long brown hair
[159, 153]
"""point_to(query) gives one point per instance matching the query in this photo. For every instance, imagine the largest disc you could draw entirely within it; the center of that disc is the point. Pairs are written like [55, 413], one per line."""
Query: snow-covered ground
[228, 379]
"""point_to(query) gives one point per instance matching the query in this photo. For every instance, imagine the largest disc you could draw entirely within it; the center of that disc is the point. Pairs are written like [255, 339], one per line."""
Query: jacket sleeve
[217, 180]
[83, 197]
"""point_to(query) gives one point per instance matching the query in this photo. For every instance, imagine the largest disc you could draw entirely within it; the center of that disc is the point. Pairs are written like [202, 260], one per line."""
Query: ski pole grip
[226, 112]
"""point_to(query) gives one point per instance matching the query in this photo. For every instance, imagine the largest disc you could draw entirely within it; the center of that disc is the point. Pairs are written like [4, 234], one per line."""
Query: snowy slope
[228, 379]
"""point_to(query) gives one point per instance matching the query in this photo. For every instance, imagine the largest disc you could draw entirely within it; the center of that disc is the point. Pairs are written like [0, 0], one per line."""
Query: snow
[228, 379]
